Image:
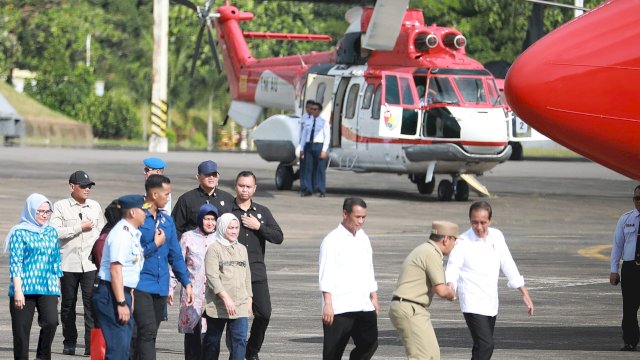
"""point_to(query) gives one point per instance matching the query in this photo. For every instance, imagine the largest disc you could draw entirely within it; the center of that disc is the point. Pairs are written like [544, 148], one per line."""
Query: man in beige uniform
[78, 221]
[422, 275]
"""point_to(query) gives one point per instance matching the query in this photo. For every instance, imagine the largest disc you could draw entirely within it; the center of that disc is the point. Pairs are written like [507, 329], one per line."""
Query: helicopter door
[398, 112]
[336, 121]
[319, 89]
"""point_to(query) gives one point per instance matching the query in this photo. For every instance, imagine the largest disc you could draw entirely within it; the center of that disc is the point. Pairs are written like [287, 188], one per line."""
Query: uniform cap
[80, 178]
[154, 163]
[130, 201]
[445, 228]
[207, 167]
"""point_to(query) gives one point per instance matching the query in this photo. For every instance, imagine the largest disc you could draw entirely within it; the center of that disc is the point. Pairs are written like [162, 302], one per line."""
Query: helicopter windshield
[440, 90]
[471, 89]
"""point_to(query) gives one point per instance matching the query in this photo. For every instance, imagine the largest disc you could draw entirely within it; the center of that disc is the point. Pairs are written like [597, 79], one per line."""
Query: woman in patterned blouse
[35, 271]
[194, 246]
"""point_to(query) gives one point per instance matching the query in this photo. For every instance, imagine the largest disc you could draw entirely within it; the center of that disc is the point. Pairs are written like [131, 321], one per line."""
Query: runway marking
[543, 283]
[594, 252]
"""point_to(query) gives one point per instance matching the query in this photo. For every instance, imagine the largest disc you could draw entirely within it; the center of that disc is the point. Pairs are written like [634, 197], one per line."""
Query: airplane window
[471, 89]
[320, 92]
[368, 96]
[392, 93]
[352, 100]
[377, 103]
[407, 94]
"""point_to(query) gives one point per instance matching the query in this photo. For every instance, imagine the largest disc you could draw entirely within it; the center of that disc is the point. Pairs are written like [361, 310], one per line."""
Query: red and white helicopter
[579, 86]
[402, 97]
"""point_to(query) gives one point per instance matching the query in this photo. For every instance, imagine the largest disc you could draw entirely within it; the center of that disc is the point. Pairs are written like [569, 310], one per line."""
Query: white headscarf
[221, 227]
[28, 217]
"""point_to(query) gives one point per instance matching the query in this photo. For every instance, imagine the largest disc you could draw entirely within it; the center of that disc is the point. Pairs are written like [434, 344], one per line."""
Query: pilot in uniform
[122, 260]
[627, 247]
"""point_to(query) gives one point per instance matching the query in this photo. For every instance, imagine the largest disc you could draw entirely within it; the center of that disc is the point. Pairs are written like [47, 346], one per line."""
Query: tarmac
[558, 218]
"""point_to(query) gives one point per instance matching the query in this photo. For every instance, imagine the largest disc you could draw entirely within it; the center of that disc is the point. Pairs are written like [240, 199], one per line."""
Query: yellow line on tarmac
[595, 252]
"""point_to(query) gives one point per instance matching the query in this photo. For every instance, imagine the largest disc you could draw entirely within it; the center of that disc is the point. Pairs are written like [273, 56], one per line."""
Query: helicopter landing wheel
[284, 177]
[445, 190]
[425, 188]
[462, 191]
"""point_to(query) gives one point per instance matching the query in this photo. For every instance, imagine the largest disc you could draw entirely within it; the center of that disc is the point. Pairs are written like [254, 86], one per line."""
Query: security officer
[257, 226]
[626, 246]
[122, 260]
[422, 275]
[185, 213]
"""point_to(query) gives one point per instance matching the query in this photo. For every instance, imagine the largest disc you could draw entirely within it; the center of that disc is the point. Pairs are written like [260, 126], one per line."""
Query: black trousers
[147, 312]
[261, 316]
[481, 328]
[21, 321]
[69, 287]
[630, 283]
[362, 326]
[193, 343]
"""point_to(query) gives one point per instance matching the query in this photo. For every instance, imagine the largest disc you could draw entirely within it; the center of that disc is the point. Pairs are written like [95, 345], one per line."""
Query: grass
[28, 107]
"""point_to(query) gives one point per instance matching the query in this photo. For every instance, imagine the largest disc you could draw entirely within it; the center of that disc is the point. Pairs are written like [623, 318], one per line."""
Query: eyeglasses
[83, 187]
[44, 212]
[215, 174]
[636, 198]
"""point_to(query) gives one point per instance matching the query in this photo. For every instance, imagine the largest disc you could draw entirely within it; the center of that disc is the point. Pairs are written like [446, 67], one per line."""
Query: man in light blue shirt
[315, 138]
[625, 247]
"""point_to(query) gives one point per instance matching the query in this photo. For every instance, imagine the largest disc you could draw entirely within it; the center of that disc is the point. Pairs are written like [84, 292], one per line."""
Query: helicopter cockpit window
[322, 87]
[471, 89]
[352, 100]
[377, 103]
[368, 96]
[392, 92]
[440, 90]
[494, 93]
[407, 94]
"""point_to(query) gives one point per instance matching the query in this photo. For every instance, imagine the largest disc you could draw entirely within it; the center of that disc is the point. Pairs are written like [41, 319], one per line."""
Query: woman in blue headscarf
[35, 271]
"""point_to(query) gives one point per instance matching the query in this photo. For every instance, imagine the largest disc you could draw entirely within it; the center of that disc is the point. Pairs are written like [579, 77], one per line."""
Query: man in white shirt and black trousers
[349, 288]
[473, 269]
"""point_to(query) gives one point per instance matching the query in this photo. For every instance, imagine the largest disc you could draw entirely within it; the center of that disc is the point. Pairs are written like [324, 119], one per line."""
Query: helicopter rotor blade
[212, 44]
[187, 3]
[196, 53]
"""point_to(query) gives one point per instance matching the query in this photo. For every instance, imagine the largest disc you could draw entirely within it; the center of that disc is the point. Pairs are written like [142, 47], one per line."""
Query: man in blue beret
[122, 261]
[154, 165]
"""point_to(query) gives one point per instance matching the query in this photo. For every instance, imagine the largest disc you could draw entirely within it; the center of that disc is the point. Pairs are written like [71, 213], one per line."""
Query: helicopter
[400, 96]
[578, 86]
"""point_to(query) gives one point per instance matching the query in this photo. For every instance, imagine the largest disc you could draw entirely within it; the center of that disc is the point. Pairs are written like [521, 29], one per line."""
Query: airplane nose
[578, 86]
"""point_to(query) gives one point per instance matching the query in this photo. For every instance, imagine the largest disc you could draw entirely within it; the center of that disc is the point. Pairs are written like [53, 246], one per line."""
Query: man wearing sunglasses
[626, 247]
[78, 221]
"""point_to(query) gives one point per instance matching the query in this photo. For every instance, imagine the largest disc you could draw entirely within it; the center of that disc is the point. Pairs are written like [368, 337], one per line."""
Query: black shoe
[305, 193]
[87, 351]
[322, 195]
[69, 350]
[628, 347]
[252, 357]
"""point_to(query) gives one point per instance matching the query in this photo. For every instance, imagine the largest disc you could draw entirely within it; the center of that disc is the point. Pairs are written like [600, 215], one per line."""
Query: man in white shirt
[349, 288]
[315, 138]
[473, 268]
[626, 247]
[78, 221]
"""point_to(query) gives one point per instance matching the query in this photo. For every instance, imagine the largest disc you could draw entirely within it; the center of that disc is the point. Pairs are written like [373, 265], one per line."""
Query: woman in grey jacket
[228, 293]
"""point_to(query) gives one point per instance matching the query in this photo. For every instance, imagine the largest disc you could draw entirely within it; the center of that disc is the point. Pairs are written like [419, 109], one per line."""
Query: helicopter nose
[577, 84]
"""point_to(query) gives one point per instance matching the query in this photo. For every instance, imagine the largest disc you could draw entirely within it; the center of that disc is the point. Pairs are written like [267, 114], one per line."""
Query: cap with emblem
[130, 201]
[446, 228]
[80, 178]
[154, 163]
[207, 167]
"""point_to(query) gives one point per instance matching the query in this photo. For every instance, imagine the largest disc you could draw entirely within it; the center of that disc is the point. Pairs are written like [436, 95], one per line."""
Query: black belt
[397, 298]
[108, 283]
[631, 262]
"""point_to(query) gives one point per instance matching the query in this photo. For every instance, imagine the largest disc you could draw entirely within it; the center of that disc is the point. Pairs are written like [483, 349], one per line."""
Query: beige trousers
[416, 332]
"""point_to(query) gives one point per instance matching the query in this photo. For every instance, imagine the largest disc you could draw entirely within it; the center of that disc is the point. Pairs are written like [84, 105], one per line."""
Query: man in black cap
[185, 212]
[78, 221]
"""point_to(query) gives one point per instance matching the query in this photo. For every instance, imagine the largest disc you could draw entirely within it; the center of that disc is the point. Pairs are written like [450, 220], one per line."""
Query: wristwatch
[121, 303]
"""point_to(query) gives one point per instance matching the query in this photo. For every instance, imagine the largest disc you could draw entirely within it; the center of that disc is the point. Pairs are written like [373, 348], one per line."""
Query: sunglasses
[83, 187]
